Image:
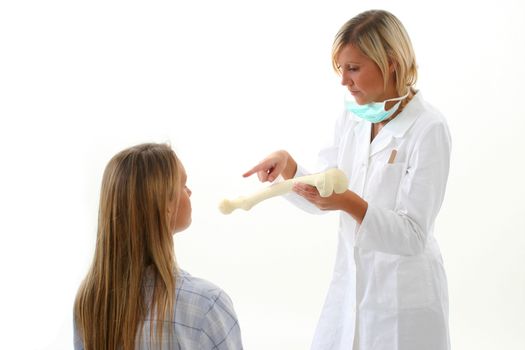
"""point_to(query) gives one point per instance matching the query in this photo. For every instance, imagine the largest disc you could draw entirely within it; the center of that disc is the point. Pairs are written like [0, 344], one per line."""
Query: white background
[227, 82]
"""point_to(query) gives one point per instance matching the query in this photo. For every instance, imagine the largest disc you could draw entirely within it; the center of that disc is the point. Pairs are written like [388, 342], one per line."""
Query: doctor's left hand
[311, 194]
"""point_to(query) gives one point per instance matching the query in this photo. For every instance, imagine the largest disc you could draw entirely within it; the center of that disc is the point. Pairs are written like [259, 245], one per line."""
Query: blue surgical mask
[373, 112]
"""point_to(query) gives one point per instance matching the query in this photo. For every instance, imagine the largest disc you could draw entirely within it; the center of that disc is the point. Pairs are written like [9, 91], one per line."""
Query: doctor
[389, 289]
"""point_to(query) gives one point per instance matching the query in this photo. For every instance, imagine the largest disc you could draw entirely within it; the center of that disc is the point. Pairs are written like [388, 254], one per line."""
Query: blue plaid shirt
[203, 318]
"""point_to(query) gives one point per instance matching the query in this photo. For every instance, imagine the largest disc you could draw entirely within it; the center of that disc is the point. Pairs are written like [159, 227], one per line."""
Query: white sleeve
[299, 201]
[327, 159]
[404, 230]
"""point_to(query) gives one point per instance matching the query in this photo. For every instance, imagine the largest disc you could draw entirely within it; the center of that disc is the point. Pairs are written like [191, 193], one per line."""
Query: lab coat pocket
[387, 185]
[414, 283]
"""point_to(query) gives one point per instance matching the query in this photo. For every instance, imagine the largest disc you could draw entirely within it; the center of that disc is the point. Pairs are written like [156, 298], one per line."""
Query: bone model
[332, 180]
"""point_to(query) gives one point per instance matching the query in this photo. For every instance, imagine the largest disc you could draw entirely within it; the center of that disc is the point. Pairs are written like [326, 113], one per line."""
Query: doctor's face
[362, 76]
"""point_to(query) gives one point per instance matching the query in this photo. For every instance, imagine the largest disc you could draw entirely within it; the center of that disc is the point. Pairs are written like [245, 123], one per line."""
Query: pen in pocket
[392, 156]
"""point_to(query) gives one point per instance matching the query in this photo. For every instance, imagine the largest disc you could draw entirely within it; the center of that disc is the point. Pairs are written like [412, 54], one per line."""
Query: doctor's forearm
[355, 206]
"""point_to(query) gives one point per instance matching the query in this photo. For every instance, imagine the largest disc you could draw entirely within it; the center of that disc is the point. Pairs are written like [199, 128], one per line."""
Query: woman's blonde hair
[382, 38]
[133, 240]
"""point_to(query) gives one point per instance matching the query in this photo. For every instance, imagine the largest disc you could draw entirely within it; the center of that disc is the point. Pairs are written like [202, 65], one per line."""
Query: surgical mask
[373, 112]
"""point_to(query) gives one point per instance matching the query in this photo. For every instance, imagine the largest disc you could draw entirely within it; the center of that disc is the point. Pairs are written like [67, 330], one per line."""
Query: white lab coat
[389, 289]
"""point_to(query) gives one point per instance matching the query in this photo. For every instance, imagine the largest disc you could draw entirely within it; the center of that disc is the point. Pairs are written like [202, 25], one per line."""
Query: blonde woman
[134, 296]
[389, 289]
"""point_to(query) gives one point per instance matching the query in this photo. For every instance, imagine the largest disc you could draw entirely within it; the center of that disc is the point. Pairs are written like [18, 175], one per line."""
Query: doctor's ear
[392, 65]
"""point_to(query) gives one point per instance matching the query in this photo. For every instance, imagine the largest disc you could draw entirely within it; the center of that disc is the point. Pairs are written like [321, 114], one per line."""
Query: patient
[134, 295]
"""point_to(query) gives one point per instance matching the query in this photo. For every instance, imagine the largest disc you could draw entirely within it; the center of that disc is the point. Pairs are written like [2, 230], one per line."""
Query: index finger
[255, 169]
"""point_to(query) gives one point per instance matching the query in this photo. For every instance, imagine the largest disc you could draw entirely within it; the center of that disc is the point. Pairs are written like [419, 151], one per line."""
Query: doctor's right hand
[277, 163]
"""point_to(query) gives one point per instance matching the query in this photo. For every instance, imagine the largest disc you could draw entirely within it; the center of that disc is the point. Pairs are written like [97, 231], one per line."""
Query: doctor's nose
[345, 80]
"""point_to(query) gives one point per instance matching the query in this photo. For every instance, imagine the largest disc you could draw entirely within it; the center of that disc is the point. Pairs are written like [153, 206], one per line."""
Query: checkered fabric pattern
[204, 318]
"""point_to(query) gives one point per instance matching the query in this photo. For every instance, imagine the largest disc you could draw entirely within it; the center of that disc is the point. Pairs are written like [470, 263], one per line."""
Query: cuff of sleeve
[366, 226]
[299, 201]
[300, 172]
[382, 230]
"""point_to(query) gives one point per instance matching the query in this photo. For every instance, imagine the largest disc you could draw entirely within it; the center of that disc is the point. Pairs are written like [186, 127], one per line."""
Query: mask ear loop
[398, 98]
[396, 105]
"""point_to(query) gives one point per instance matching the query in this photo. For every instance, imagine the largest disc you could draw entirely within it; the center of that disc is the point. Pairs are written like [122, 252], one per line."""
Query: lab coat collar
[396, 128]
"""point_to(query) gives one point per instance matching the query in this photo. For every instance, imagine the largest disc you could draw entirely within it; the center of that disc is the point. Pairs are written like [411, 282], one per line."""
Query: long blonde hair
[382, 38]
[133, 239]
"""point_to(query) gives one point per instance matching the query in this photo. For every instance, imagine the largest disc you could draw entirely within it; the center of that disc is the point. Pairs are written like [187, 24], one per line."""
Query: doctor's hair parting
[134, 241]
[382, 38]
